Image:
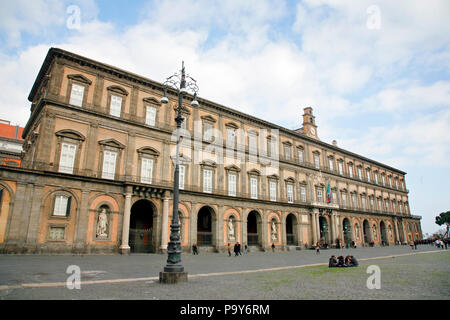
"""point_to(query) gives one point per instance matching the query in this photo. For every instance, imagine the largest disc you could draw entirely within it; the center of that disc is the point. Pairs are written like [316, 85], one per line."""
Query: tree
[444, 218]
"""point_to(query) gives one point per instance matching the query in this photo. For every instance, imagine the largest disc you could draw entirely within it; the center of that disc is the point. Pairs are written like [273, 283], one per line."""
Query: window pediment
[79, 78]
[117, 89]
[273, 177]
[208, 118]
[231, 125]
[71, 134]
[290, 180]
[233, 168]
[112, 143]
[254, 172]
[148, 151]
[208, 163]
[151, 101]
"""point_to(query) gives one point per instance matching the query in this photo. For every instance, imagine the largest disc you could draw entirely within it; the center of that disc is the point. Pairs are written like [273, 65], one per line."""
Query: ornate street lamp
[182, 84]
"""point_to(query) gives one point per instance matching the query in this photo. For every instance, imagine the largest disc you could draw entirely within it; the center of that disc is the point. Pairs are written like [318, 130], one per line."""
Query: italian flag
[329, 193]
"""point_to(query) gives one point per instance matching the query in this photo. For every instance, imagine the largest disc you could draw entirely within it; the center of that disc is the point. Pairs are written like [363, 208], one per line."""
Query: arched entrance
[253, 228]
[347, 230]
[366, 230]
[291, 236]
[323, 223]
[141, 238]
[205, 227]
[384, 238]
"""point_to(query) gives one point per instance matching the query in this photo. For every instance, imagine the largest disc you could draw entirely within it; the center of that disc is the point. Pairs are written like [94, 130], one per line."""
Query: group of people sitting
[348, 261]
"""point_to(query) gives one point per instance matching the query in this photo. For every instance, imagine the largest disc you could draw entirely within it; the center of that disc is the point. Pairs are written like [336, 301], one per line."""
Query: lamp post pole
[174, 270]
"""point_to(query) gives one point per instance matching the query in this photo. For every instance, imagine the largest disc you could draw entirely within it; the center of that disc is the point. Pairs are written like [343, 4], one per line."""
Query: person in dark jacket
[332, 262]
[340, 261]
[194, 249]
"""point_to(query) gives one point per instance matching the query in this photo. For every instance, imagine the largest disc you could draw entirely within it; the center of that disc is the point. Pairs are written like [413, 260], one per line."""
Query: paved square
[292, 275]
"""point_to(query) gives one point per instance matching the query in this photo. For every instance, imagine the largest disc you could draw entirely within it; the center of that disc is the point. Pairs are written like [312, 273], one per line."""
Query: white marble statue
[230, 229]
[274, 231]
[102, 224]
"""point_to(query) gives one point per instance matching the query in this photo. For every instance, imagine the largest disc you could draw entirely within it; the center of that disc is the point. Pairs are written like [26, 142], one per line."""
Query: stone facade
[97, 172]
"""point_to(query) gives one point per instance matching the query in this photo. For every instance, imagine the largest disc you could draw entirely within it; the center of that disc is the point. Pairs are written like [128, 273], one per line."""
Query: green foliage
[443, 218]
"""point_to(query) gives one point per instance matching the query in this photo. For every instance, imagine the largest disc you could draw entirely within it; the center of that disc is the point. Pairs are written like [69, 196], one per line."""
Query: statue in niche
[374, 230]
[102, 224]
[274, 231]
[357, 231]
[231, 229]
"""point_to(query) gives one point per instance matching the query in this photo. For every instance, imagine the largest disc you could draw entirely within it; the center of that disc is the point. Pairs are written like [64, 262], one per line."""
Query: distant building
[97, 174]
[11, 143]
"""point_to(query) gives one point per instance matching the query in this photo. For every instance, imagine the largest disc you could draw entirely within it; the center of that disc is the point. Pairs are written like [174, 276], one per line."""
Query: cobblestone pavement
[423, 275]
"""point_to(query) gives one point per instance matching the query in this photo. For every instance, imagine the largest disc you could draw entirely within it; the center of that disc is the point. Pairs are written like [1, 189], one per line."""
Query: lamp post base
[173, 277]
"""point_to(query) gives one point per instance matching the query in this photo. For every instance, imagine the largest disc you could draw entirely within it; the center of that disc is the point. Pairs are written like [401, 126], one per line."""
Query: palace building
[96, 174]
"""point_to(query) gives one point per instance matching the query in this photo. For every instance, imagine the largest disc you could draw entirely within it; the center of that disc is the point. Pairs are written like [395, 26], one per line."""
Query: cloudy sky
[375, 72]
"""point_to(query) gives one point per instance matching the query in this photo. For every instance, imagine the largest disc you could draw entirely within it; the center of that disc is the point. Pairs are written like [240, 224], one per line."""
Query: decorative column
[317, 227]
[165, 222]
[396, 234]
[405, 236]
[333, 228]
[125, 248]
[313, 229]
[283, 232]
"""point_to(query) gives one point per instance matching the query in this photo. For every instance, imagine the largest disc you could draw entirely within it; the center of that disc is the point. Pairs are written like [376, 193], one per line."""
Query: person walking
[317, 248]
[194, 249]
[245, 249]
[235, 249]
[229, 249]
[239, 249]
[273, 247]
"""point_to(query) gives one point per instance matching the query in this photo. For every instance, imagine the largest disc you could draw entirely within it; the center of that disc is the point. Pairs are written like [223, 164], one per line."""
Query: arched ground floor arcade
[60, 213]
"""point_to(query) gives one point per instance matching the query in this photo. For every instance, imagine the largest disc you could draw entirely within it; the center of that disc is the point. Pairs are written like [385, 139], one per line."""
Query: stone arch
[324, 230]
[206, 228]
[254, 225]
[291, 229]
[7, 197]
[143, 218]
[347, 231]
[366, 232]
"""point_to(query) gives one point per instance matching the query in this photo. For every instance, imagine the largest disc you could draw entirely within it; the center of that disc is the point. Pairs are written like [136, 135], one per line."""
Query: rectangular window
[368, 175]
[109, 164]
[290, 193]
[319, 194]
[390, 182]
[184, 123]
[340, 168]
[76, 95]
[334, 198]
[379, 205]
[287, 152]
[396, 183]
[62, 206]
[273, 190]
[272, 148]
[231, 138]
[382, 179]
[232, 183]
[400, 207]
[350, 171]
[57, 233]
[207, 131]
[386, 204]
[252, 144]
[67, 160]
[150, 116]
[371, 203]
[300, 155]
[353, 200]
[363, 202]
[344, 200]
[393, 206]
[182, 173]
[360, 173]
[115, 107]
[207, 180]
[146, 170]
[302, 194]
[254, 188]
[330, 161]
[376, 177]
[316, 161]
